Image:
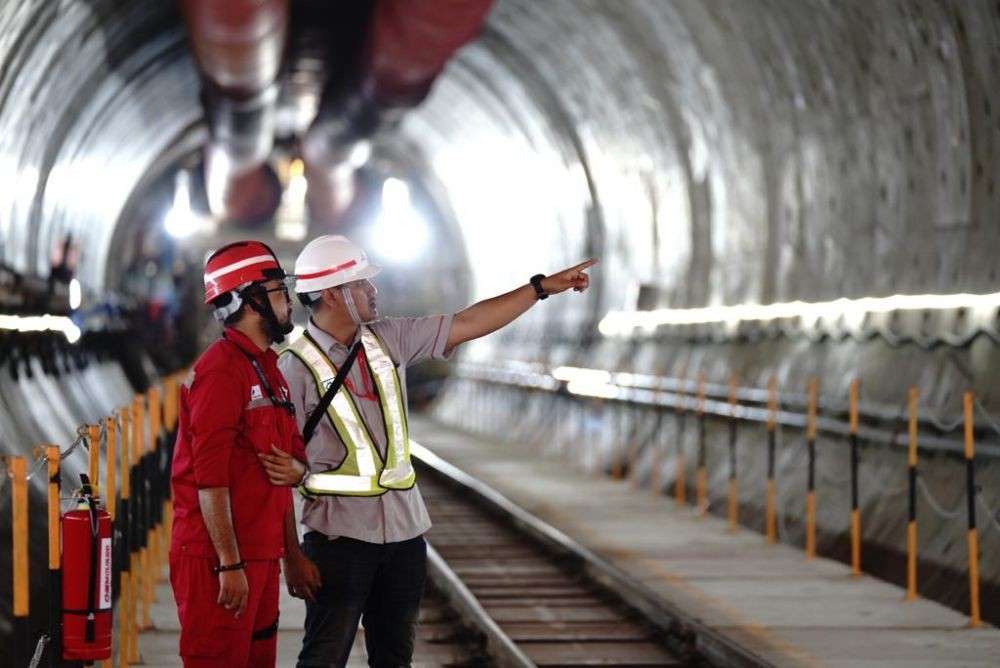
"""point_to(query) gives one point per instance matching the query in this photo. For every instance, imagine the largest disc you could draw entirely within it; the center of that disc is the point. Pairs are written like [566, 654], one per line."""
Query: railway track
[527, 604]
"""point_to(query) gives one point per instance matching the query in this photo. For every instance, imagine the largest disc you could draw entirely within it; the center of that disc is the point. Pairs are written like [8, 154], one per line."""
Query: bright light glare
[181, 220]
[624, 322]
[290, 218]
[401, 233]
[360, 153]
[75, 294]
[41, 323]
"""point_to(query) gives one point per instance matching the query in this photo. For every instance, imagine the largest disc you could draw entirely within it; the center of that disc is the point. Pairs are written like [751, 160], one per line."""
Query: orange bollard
[701, 478]
[855, 508]
[811, 482]
[680, 480]
[972, 535]
[111, 465]
[734, 499]
[94, 455]
[19, 544]
[911, 526]
[772, 417]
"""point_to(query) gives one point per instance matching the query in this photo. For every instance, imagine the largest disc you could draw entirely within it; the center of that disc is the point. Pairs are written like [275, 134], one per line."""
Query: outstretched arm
[490, 315]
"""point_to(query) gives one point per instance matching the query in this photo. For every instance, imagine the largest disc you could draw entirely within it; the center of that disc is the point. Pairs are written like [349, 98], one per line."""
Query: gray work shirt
[396, 515]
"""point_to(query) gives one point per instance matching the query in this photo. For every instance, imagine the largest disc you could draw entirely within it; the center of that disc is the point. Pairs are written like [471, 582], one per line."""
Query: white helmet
[329, 261]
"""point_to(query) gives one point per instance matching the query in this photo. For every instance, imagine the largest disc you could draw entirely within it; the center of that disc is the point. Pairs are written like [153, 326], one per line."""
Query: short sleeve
[216, 402]
[413, 340]
[293, 370]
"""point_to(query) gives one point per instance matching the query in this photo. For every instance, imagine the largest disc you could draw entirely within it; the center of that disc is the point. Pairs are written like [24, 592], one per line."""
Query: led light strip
[41, 323]
[623, 322]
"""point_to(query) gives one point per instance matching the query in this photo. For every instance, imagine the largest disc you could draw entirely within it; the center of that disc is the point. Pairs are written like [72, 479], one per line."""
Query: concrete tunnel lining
[708, 153]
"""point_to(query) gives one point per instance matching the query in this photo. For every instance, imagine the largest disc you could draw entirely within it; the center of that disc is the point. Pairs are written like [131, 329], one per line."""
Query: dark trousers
[380, 585]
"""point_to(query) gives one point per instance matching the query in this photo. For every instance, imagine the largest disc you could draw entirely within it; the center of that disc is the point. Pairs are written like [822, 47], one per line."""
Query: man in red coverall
[230, 520]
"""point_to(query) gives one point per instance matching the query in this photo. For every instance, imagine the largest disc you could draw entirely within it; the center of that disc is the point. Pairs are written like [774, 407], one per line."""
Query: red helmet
[237, 264]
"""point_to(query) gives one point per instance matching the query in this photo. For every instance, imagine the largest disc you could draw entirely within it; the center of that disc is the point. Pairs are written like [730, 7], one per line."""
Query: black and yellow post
[111, 494]
[855, 510]
[19, 543]
[680, 480]
[94, 455]
[111, 465]
[911, 525]
[970, 492]
[701, 479]
[140, 493]
[126, 613]
[55, 557]
[771, 524]
[734, 492]
[156, 537]
[811, 475]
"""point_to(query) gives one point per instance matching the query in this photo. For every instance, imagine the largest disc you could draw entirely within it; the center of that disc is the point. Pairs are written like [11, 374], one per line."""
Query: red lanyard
[367, 386]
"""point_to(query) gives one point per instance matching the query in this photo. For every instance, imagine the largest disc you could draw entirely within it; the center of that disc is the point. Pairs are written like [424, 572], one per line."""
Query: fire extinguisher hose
[92, 589]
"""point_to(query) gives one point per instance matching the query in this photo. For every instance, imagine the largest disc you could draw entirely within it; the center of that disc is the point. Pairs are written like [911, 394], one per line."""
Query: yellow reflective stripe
[398, 467]
[350, 461]
[360, 449]
[320, 483]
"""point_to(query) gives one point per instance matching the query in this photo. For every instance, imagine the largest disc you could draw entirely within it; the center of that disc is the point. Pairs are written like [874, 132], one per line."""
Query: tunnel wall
[708, 153]
[732, 152]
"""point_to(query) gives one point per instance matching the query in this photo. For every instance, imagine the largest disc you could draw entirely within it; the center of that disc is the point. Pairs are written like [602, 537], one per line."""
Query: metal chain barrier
[993, 515]
[935, 504]
[133, 446]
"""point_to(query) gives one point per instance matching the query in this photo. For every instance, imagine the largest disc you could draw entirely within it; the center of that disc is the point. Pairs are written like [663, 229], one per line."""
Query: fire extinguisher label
[104, 600]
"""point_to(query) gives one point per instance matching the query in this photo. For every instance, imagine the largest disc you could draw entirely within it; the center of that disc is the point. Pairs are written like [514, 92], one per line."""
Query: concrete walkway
[767, 598]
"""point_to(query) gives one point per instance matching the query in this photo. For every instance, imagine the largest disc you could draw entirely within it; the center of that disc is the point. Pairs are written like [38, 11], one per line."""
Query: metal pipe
[239, 45]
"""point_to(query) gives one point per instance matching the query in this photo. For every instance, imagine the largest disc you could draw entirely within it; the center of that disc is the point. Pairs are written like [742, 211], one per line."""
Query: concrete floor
[791, 611]
[158, 646]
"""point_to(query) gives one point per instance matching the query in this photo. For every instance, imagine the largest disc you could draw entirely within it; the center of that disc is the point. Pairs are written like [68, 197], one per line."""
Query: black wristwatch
[536, 283]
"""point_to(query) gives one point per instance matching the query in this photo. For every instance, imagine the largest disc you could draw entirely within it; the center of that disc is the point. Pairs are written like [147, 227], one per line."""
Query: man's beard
[275, 330]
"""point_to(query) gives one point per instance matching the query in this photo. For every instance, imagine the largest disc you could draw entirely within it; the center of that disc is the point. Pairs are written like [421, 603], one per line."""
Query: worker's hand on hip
[282, 469]
[233, 591]
[301, 575]
[574, 277]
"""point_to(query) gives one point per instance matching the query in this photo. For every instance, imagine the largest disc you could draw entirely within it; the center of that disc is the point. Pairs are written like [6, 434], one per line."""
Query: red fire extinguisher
[86, 579]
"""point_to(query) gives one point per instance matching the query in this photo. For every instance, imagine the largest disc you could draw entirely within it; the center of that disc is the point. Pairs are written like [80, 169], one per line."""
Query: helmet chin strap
[352, 309]
[275, 330]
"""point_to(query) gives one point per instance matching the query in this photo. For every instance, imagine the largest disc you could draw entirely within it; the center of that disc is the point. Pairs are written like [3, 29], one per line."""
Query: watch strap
[536, 283]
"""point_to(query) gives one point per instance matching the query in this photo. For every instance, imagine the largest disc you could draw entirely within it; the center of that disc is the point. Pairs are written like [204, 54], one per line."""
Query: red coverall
[226, 418]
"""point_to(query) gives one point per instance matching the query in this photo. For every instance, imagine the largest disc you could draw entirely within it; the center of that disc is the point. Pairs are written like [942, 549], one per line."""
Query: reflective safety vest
[362, 473]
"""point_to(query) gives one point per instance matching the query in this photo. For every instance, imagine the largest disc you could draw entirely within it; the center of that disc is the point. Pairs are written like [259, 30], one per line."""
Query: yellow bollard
[94, 455]
[680, 481]
[911, 526]
[811, 483]
[111, 466]
[855, 508]
[19, 543]
[141, 572]
[701, 478]
[771, 523]
[127, 655]
[52, 458]
[734, 499]
[972, 536]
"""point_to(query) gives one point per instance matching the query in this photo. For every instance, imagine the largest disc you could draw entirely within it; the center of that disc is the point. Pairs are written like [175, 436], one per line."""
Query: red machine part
[410, 43]
[86, 584]
[407, 47]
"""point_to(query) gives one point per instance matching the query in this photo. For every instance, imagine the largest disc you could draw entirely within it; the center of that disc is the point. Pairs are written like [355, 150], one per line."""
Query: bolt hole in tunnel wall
[718, 154]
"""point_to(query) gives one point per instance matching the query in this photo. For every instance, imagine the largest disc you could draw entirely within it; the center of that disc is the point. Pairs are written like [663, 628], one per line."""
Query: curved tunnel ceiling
[717, 152]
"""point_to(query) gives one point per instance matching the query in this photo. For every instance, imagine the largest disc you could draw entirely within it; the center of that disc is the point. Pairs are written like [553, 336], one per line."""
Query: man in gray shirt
[363, 554]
